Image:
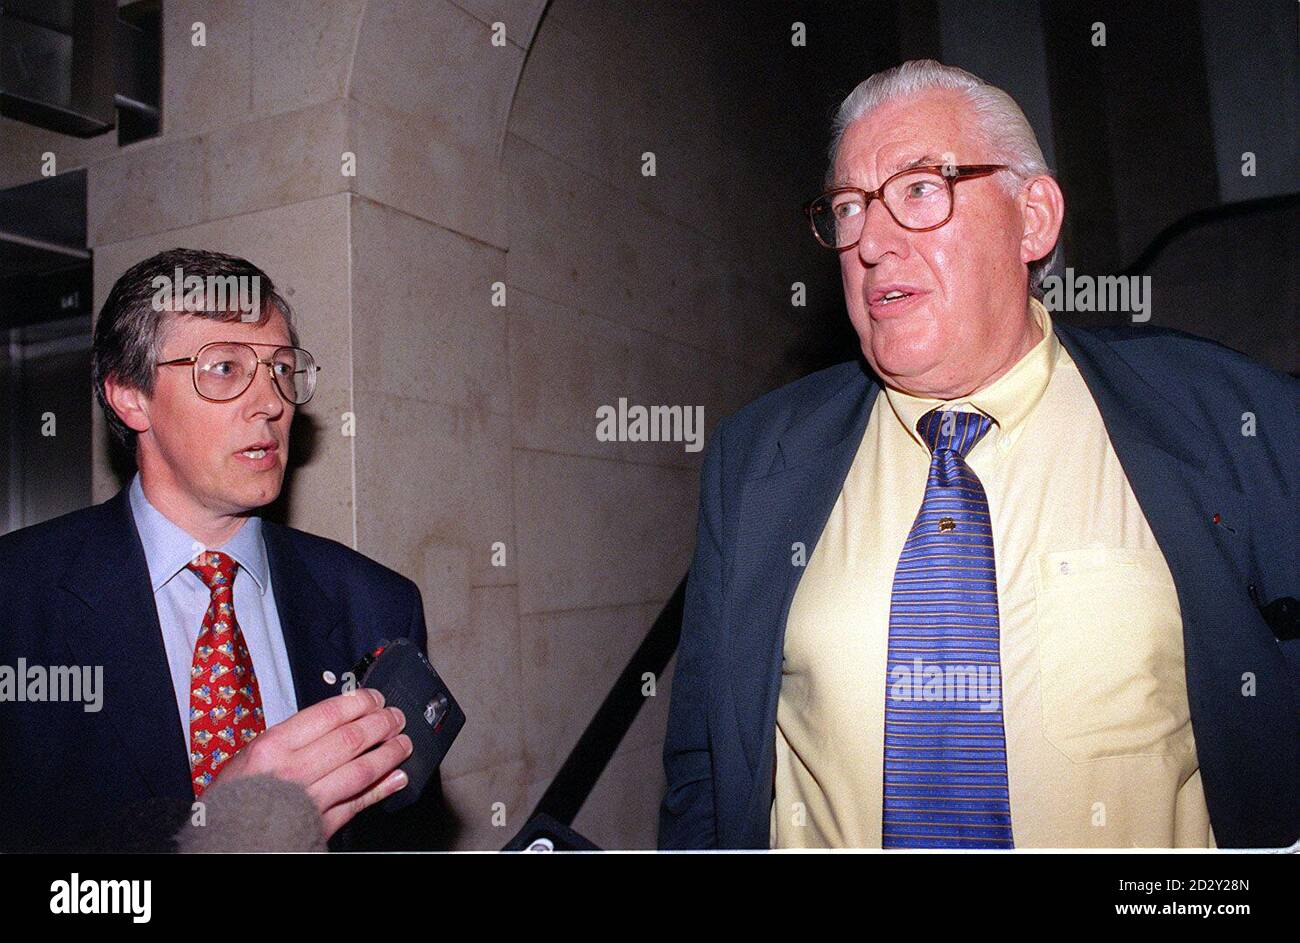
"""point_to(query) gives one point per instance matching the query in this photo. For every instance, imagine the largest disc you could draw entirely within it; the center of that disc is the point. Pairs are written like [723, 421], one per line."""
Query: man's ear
[1042, 206]
[130, 404]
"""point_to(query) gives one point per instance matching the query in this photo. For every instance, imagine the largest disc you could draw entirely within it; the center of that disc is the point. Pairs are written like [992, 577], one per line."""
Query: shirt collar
[168, 549]
[1008, 400]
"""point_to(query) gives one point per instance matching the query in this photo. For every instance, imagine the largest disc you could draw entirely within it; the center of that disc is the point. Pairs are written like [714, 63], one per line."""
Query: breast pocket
[1110, 633]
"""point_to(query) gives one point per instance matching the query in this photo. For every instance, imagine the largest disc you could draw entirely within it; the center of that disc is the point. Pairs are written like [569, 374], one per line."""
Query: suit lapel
[309, 620]
[1179, 494]
[787, 506]
[114, 623]
[121, 632]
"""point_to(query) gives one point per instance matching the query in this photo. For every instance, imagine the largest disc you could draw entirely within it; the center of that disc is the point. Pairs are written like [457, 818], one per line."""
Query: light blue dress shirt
[182, 600]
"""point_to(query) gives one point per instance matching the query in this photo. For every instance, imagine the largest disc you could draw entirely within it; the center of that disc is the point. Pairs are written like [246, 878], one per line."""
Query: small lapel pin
[328, 677]
[1218, 519]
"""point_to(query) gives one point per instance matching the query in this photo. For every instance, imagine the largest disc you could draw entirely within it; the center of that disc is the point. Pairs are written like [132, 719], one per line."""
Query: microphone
[544, 833]
[253, 813]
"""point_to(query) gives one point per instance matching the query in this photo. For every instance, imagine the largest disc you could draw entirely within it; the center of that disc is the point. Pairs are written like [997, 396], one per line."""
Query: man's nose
[881, 235]
[262, 397]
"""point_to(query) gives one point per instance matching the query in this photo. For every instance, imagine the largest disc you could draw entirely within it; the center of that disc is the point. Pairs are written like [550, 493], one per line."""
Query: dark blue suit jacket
[1173, 406]
[75, 591]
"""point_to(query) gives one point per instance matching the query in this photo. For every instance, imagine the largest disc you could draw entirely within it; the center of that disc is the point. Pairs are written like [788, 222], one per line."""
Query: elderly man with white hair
[1007, 583]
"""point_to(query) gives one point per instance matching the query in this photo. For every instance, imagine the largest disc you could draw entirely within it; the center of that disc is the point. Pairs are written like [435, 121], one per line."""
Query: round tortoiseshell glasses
[918, 199]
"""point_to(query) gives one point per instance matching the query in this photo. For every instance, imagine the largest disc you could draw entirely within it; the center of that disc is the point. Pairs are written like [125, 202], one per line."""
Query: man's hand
[326, 748]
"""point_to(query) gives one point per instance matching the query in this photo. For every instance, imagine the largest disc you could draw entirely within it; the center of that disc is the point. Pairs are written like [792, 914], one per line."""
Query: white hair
[1001, 125]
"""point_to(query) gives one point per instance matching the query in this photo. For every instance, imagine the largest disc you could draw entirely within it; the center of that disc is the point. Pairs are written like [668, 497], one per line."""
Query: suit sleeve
[687, 817]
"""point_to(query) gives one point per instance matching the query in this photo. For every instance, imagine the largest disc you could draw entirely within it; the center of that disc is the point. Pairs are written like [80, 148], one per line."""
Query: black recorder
[399, 671]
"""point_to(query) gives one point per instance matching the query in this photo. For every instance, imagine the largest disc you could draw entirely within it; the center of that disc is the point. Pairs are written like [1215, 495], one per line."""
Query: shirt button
[328, 677]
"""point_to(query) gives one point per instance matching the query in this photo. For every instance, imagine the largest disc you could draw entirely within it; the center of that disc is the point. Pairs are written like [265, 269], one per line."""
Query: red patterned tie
[225, 705]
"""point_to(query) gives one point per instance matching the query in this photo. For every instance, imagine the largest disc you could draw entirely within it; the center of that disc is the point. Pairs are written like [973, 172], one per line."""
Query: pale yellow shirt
[1099, 737]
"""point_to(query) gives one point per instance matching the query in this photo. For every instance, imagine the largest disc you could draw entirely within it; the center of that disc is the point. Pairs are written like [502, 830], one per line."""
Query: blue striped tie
[945, 749]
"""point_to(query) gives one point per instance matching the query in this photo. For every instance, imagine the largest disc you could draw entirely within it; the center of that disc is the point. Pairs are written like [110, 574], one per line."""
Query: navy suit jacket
[1173, 407]
[75, 591]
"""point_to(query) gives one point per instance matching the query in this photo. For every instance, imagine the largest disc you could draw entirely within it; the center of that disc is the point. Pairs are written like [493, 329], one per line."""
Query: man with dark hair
[221, 639]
